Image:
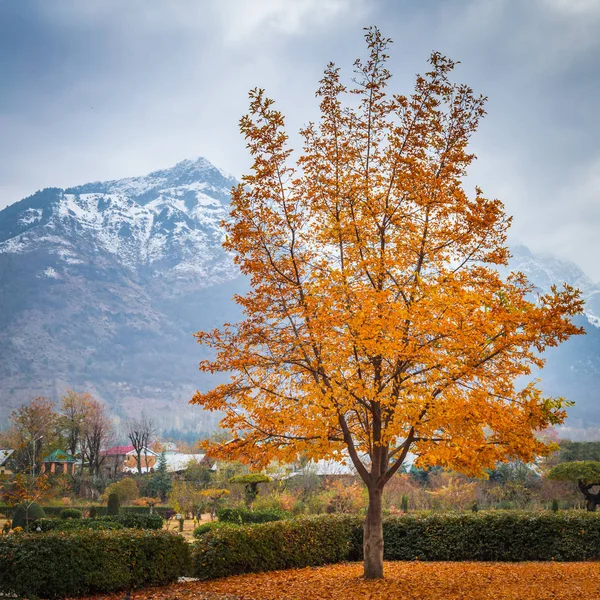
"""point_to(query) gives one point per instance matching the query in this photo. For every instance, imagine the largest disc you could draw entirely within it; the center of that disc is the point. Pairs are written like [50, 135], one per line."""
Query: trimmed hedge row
[296, 543]
[75, 525]
[55, 511]
[241, 516]
[87, 562]
[484, 536]
[127, 521]
[491, 536]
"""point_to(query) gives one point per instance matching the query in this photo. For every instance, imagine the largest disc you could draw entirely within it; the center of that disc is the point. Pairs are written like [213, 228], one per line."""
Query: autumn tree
[74, 407]
[377, 322]
[34, 432]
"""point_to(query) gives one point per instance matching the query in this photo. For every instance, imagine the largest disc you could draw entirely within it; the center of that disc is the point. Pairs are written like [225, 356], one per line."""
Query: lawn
[404, 581]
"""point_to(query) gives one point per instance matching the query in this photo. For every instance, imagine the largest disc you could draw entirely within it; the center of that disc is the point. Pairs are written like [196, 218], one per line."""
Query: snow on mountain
[545, 271]
[168, 221]
[102, 285]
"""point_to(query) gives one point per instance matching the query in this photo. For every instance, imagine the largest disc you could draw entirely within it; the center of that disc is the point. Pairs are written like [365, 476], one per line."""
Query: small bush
[76, 525]
[135, 521]
[70, 513]
[114, 504]
[27, 513]
[296, 543]
[241, 516]
[93, 512]
[59, 564]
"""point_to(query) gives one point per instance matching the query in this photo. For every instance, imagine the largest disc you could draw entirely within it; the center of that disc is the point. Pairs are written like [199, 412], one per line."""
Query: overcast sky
[103, 89]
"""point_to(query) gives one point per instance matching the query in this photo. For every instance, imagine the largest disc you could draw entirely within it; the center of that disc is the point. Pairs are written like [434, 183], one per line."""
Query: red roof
[116, 450]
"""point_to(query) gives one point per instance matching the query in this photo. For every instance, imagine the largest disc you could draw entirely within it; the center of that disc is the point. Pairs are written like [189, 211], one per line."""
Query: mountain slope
[102, 285]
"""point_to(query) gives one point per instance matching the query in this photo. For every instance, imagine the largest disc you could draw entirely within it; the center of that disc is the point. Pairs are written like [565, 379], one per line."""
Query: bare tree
[139, 432]
[97, 434]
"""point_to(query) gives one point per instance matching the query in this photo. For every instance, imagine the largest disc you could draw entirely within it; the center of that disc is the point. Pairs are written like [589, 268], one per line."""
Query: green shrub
[203, 528]
[93, 512]
[480, 536]
[58, 564]
[135, 521]
[76, 524]
[70, 513]
[26, 513]
[123, 521]
[295, 543]
[491, 536]
[113, 504]
[241, 516]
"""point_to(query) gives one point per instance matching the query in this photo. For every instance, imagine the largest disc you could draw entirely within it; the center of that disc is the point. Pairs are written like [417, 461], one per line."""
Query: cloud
[243, 19]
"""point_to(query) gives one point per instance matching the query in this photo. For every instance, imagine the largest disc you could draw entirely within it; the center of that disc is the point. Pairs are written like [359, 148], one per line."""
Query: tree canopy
[377, 322]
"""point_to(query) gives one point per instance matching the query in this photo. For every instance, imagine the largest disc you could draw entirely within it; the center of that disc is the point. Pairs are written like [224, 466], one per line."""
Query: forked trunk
[373, 537]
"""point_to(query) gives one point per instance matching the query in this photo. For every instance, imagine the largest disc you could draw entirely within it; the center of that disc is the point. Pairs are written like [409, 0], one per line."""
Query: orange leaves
[376, 318]
[425, 581]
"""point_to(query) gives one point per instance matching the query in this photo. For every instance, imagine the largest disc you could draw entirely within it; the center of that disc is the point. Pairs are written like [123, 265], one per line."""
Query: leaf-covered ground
[404, 581]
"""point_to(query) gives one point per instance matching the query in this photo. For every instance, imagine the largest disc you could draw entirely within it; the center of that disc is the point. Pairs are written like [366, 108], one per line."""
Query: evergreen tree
[161, 482]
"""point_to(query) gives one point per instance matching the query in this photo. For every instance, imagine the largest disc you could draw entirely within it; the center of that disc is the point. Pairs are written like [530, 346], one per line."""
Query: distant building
[177, 462]
[59, 462]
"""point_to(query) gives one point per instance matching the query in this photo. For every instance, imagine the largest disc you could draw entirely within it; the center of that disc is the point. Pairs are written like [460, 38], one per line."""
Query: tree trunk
[591, 503]
[373, 537]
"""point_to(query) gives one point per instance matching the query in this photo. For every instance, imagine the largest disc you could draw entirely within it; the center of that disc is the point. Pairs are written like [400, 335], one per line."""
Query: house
[177, 462]
[149, 459]
[5, 455]
[113, 460]
[59, 462]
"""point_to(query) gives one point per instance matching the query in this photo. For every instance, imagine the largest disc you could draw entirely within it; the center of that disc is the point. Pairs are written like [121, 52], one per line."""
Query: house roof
[4, 454]
[59, 456]
[116, 451]
[176, 461]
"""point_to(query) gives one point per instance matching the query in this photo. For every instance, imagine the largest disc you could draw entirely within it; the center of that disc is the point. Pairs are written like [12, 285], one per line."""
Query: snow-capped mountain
[545, 271]
[166, 223]
[102, 286]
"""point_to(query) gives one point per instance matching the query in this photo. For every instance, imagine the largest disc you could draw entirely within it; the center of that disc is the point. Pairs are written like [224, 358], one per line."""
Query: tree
[96, 434]
[161, 480]
[586, 474]
[377, 322]
[34, 432]
[73, 409]
[139, 432]
[250, 482]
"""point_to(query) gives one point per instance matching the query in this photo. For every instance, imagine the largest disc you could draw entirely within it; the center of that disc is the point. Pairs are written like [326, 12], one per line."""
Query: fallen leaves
[403, 581]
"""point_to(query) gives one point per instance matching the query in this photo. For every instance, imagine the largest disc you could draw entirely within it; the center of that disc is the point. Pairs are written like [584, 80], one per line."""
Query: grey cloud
[104, 89]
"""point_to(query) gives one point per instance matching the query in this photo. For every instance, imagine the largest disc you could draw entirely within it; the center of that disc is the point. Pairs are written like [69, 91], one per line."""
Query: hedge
[483, 536]
[54, 511]
[76, 525]
[60, 564]
[241, 516]
[491, 536]
[127, 521]
[307, 541]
